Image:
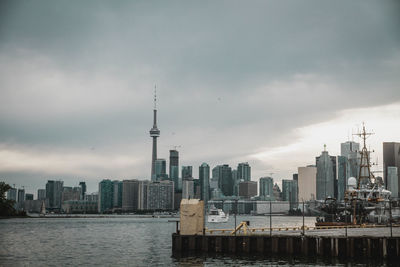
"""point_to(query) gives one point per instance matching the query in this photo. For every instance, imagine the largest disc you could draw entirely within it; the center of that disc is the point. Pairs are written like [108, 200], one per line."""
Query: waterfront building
[105, 198]
[160, 195]
[174, 168]
[161, 169]
[247, 189]
[204, 178]
[28, 196]
[391, 158]
[343, 173]
[79, 207]
[130, 195]
[54, 191]
[188, 188]
[224, 175]
[93, 197]
[117, 194]
[244, 171]
[142, 194]
[307, 181]
[154, 134]
[12, 194]
[187, 172]
[290, 193]
[392, 181]
[82, 185]
[326, 176]
[266, 191]
[41, 194]
[70, 193]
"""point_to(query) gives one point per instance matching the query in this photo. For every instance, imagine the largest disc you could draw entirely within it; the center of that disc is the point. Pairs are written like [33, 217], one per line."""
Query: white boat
[217, 216]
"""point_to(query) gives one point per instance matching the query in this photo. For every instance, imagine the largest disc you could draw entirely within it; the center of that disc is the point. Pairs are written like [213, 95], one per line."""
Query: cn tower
[154, 133]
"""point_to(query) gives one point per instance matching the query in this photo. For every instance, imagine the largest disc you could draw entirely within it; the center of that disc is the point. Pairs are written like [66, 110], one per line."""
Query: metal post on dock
[270, 218]
[303, 218]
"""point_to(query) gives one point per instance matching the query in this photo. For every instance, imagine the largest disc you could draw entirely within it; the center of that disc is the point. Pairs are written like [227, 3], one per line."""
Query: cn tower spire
[154, 133]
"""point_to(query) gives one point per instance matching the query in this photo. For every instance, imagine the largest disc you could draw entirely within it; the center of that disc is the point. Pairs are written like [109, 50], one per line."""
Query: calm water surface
[121, 241]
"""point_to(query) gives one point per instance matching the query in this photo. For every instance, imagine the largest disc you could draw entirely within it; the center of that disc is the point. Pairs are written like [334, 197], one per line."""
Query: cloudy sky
[267, 82]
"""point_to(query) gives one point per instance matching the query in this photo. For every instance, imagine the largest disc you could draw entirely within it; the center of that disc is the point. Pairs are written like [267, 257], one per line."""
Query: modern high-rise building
[307, 182]
[54, 191]
[188, 188]
[391, 158]
[142, 195]
[82, 185]
[187, 172]
[343, 174]
[160, 195]
[161, 169]
[351, 150]
[28, 196]
[21, 195]
[106, 196]
[12, 194]
[224, 175]
[392, 181]
[174, 168]
[289, 193]
[277, 192]
[266, 191]
[154, 133]
[130, 195]
[326, 176]
[204, 178]
[236, 182]
[41, 194]
[247, 189]
[117, 194]
[244, 171]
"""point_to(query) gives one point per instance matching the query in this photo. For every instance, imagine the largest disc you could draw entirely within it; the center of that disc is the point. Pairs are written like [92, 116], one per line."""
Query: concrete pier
[320, 246]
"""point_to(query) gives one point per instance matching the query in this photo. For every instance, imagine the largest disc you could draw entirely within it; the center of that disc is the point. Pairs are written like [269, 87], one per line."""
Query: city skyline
[81, 106]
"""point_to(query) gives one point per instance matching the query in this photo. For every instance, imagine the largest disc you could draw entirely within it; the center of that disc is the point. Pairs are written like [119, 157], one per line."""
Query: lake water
[123, 241]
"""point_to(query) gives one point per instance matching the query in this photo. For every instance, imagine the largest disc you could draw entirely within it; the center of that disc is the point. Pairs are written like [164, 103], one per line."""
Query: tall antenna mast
[155, 96]
[365, 173]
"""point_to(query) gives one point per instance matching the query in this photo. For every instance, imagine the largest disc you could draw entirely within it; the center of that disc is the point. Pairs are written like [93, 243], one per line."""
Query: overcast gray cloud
[235, 78]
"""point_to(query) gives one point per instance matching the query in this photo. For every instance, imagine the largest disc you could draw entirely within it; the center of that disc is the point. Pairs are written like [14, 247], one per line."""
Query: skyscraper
[307, 182]
[188, 188]
[289, 193]
[142, 197]
[21, 195]
[83, 190]
[204, 177]
[343, 175]
[106, 196]
[161, 170]
[12, 194]
[54, 191]
[174, 168]
[244, 171]
[130, 195]
[187, 172]
[160, 195]
[391, 158]
[266, 185]
[351, 150]
[154, 133]
[326, 175]
[41, 194]
[224, 175]
[392, 182]
[117, 194]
